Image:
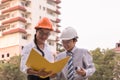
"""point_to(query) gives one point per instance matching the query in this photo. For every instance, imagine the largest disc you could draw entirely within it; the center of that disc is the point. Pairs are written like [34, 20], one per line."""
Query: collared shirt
[81, 58]
[26, 51]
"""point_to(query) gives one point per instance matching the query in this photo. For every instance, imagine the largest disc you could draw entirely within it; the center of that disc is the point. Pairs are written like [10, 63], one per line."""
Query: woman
[43, 30]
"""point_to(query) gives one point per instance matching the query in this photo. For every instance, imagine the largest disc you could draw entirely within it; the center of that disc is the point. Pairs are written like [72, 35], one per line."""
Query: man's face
[42, 35]
[68, 44]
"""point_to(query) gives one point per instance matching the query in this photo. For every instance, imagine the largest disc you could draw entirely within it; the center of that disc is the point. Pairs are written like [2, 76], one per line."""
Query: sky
[97, 22]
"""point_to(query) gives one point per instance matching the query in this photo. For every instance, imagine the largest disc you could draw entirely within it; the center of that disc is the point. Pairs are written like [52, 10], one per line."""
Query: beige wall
[9, 40]
[12, 51]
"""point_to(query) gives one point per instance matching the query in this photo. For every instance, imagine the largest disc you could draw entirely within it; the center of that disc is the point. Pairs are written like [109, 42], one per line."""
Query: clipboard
[37, 62]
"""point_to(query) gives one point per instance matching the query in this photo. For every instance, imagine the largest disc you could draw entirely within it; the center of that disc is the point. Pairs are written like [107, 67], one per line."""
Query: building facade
[117, 47]
[18, 19]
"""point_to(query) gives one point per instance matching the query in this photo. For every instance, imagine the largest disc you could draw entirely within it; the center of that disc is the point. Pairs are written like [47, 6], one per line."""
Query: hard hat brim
[66, 38]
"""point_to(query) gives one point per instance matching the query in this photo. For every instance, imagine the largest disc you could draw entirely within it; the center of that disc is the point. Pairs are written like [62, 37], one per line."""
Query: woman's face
[42, 35]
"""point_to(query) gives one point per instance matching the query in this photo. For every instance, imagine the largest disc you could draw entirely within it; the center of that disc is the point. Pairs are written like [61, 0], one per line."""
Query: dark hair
[75, 39]
[38, 29]
[35, 41]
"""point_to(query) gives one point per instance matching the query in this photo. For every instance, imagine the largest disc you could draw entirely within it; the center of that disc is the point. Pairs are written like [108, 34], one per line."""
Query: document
[37, 62]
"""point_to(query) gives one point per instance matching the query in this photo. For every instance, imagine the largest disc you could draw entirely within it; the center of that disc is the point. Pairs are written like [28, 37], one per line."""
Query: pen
[77, 68]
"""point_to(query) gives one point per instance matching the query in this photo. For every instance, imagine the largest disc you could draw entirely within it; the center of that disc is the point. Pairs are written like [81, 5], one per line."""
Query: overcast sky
[96, 21]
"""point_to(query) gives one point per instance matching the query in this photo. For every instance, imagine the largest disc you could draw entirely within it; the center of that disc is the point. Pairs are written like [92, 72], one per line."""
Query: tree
[98, 60]
[10, 70]
[116, 72]
[105, 64]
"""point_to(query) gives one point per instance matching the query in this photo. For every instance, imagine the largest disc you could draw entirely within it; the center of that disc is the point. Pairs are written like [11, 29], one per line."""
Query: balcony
[2, 17]
[56, 21]
[28, 20]
[14, 20]
[28, 31]
[57, 1]
[3, 1]
[57, 39]
[28, 10]
[4, 6]
[58, 7]
[57, 30]
[57, 11]
[14, 31]
[58, 25]
[14, 8]
[51, 2]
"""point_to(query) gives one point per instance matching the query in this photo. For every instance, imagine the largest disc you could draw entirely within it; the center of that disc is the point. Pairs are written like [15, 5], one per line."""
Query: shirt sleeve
[89, 65]
[24, 56]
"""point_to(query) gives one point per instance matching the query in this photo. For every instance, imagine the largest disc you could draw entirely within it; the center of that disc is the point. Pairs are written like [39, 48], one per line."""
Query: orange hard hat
[44, 23]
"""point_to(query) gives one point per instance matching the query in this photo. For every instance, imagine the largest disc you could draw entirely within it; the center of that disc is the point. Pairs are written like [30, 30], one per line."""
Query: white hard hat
[68, 33]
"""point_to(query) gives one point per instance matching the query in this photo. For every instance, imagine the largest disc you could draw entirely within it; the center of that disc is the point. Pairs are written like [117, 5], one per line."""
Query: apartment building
[18, 19]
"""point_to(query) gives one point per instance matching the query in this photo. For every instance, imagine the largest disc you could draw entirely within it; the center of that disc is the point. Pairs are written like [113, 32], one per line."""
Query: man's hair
[75, 39]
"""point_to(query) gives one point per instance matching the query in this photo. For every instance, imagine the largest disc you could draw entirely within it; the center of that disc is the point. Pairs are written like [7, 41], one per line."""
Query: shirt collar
[73, 49]
[34, 45]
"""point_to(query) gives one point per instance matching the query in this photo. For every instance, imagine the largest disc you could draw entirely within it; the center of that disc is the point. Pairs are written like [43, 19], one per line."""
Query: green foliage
[105, 64]
[10, 70]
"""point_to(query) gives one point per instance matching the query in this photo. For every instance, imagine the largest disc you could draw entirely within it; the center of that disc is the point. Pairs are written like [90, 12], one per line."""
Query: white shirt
[26, 51]
[81, 58]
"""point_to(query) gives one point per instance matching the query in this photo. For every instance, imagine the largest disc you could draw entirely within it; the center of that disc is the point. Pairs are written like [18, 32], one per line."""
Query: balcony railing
[14, 31]
[13, 9]
[57, 30]
[3, 1]
[57, 11]
[14, 20]
[58, 25]
[56, 21]
[57, 1]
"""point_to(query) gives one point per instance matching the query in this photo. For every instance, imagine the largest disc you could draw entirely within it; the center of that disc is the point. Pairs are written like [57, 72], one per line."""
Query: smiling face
[42, 35]
[68, 44]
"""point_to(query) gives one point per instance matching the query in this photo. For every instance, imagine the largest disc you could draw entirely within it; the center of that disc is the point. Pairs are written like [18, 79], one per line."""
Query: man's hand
[53, 75]
[81, 72]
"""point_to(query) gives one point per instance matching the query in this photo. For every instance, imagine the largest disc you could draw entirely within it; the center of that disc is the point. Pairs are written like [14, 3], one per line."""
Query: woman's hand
[42, 72]
[30, 71]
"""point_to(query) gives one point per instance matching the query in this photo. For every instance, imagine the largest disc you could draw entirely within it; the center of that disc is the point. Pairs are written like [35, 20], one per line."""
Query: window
[12, 15]
[44, 8]
[39, 17]
[22, 47]
[26, 26]
[24, 37]
[40, 6]
[51, 43]
[8, 55]
[22, 14]
[118, 44]
[3, 29]
[22, 3]
[2, 55]
[8, 27]
[12, 25]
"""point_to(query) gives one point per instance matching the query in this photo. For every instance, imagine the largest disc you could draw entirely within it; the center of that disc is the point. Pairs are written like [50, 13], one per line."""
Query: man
[80, 66]
[43, 30]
